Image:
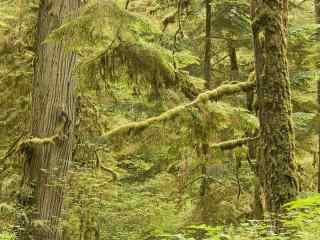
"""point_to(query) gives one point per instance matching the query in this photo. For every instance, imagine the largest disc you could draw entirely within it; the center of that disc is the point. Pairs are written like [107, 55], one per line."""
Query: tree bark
[234, 68]
[276, 147]
[317, 18]
[204, 154]
[258, 43]
[52, 115]
[207, 48]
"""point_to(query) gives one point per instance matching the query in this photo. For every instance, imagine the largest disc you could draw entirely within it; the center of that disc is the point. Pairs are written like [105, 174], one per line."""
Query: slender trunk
[127, 5]
[276, 147]
[207, 48]
[317, 17]
[234, 68]
[204, 184]
[317, 10]
[258, 44]
[52, 115]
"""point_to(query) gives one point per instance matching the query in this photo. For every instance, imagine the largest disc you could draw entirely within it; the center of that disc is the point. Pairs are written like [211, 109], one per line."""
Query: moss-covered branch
[40, 141]
[37, 141]
[231, 144]
[21, 145]
[217, 93]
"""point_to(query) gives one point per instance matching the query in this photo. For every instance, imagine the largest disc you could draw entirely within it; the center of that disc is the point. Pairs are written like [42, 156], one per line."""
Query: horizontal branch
[39, 141]
[134, 127]
[231, 144]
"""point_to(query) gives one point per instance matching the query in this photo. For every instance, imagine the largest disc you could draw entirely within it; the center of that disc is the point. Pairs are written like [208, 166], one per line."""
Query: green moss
[136, 127]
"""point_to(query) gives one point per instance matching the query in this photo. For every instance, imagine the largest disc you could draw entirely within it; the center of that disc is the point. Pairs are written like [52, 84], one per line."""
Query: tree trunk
[317, 17]
[52, 115]
[258, 44]
[318, 98]
[234, 68]
[276, 147]
[317, 10]
[204, 154]
[207, 48]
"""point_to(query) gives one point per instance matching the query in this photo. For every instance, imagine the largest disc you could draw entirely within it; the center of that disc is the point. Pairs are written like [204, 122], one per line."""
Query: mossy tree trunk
[207, 47]
[258, 44]
[52, 115]
[317, 17]
[276, 146]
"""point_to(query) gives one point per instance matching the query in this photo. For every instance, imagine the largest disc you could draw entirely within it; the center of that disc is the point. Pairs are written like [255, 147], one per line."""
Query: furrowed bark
[52, 115]
[317, 17]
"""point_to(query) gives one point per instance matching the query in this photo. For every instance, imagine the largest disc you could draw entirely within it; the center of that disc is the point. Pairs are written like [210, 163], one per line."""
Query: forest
[159, 119]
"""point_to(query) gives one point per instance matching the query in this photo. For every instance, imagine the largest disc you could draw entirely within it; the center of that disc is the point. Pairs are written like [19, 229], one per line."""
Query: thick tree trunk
[318, 98]
[52, 115]
[317, 17]
[207, 48]
[276, 147]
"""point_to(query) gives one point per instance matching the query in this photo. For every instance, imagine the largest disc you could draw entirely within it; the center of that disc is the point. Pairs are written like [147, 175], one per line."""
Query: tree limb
[135, 127]
[231, 144]
[39, 141]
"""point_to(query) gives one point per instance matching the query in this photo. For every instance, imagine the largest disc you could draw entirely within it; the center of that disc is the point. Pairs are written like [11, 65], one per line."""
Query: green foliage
[7, 236]
[301, 221]
[130, 70]
[231, 16]
[303, 217]
[108, 37]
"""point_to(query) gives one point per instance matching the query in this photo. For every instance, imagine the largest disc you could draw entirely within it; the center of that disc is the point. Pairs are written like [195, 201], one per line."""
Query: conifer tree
[317, 17]
[276, 147]
[49, 151]
[207, 48]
